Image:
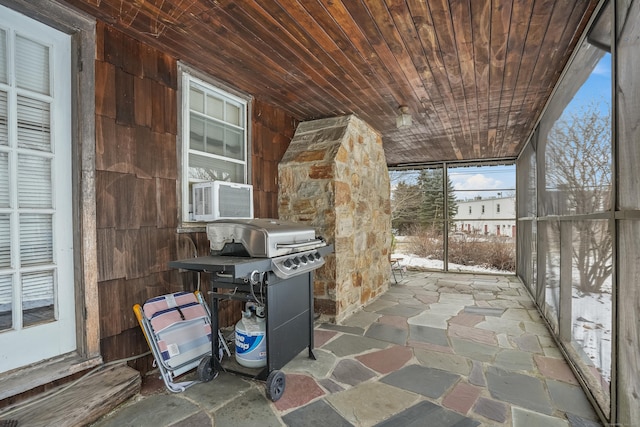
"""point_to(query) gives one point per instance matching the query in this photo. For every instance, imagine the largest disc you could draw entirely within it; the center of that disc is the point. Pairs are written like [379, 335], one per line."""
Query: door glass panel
[37, 298]
[4, 179]
[4, 133]
[5, 241]
[34, 124]
[34, 182]
[6, 298]
[3, 56]
[36, 239]
[32, 66]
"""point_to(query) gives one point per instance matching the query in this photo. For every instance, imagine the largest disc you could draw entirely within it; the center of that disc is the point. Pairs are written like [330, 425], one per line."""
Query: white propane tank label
[251, 345]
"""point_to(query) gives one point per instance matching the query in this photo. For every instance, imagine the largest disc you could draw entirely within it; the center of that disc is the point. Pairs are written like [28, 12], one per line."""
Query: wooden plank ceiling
[474, 74]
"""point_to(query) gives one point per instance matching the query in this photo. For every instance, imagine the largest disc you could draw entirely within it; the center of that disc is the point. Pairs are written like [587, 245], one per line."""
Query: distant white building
[491, 216]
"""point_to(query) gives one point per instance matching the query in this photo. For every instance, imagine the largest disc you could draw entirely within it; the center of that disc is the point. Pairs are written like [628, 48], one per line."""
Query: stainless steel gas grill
[267, 262]
[292, 248]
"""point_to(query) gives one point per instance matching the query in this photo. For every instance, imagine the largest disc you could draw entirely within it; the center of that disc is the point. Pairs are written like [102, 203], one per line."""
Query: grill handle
[300, 245]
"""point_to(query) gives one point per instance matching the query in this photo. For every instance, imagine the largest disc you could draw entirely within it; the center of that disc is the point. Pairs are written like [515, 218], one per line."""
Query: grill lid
[261, 237]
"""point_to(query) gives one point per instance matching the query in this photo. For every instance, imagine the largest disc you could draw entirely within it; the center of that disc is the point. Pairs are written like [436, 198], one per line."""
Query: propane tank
[251, 341]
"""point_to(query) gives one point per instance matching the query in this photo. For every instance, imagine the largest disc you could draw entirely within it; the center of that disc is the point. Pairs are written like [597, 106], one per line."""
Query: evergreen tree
[431, 212]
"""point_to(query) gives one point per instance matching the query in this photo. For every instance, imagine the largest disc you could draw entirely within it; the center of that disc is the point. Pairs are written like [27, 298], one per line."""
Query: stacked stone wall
[334, 177]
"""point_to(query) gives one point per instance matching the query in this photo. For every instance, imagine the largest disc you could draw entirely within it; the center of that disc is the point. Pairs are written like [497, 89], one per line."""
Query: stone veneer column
[334, 177]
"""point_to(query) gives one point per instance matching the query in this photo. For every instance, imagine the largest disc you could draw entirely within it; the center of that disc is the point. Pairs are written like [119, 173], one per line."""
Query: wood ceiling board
[474, 74]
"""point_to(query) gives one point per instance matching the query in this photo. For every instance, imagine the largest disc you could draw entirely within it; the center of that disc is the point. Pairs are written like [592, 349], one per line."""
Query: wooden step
[79, 404]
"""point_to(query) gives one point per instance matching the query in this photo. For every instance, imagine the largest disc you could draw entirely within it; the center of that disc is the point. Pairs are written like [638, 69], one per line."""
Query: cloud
[476, 181]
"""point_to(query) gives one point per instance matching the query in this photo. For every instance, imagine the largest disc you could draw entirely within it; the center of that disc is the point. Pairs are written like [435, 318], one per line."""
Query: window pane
[37, 298]
[203, 168]
[34, 124]
[3, 56]
[482, 245]
[34, 182]
[196, 133]
[6, 304]
[36, 239]
[234, 114]
[234, 139]
[5, 241]
[32, 66]
[214, 142]
[591, 303]
[5, 198]
[215, 107]
[196, 100]
[4, 134]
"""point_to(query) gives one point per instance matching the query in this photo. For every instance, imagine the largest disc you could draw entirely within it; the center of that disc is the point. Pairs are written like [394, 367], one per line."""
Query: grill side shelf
[237, 267]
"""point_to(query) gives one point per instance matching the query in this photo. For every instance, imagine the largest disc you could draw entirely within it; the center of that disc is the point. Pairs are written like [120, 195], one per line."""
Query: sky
[469, 182]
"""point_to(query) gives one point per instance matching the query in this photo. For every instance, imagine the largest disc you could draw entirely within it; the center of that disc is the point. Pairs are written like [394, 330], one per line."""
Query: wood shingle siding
[136, 178]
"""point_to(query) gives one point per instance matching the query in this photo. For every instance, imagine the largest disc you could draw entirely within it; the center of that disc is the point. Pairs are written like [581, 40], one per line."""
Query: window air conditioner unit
[221, 200]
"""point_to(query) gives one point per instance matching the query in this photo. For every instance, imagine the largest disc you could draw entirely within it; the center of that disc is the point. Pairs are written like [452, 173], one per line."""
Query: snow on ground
[414, 261]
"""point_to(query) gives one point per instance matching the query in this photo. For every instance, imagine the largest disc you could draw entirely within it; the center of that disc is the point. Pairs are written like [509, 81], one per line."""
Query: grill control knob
[287, 263]
[296, 261]
[317, 255]
[303, 259]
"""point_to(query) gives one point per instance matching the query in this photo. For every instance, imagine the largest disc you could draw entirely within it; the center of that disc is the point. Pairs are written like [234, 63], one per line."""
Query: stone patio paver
[370, 403]
[519, 389]
[571, 399]
[361, 319]
[528, 342]
[299, 390]
[476, 376]
[388, 333]
[351, 372]
[462, 397]
[491, 409]
[429, 335]
[426, 381]
[346, 345]
[555, 368]
[388, 360]
[316, 414]
[235, 413]
[525, 418]
[319, 368]
[514, 360]
[428, 414]
[472, 334]
[446, 362]
[431, 319]
[474, 350]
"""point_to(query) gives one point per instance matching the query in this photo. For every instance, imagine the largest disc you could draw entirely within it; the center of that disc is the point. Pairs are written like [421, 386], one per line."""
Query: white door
[37, 310]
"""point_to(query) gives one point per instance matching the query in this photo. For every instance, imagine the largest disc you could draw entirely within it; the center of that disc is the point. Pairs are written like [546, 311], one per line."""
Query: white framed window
[469, 210]
[214, 137]
[498, 208]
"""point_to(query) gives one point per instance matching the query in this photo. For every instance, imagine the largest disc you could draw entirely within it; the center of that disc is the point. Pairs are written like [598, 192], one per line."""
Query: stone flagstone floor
[437, 349]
